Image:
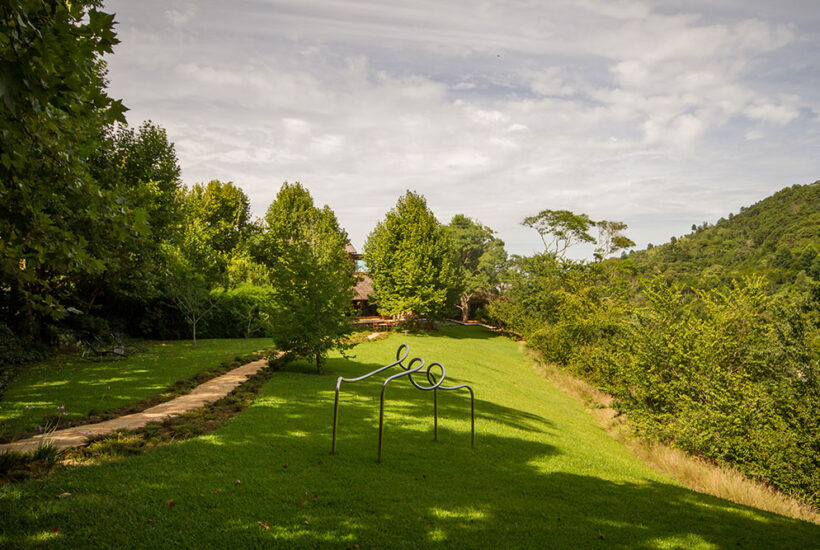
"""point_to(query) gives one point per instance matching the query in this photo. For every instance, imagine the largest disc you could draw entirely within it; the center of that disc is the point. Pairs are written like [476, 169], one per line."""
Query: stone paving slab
[207, 392]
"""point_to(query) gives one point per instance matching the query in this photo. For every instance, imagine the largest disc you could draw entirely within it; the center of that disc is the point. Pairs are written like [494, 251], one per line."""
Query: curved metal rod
[430, 378]
[472, 409]
[407, 370]
[437, 386]
[401, 355]
[409, 373]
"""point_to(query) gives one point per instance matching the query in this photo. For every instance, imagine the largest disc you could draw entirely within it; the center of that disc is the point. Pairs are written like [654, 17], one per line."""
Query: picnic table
[386, 324]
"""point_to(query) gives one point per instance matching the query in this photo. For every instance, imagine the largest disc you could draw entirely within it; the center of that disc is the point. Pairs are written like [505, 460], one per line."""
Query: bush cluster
[727, 374]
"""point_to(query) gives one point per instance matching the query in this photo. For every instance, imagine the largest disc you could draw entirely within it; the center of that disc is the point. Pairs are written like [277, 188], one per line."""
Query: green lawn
[542, 475]
[72, 385]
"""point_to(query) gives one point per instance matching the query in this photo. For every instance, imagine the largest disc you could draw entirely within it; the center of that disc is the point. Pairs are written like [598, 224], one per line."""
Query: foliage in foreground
[56, 222]
[727, 374]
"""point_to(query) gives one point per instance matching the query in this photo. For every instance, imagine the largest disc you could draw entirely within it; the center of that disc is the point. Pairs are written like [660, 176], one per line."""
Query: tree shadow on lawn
[400, 393]
[461, 332]
[507, 492]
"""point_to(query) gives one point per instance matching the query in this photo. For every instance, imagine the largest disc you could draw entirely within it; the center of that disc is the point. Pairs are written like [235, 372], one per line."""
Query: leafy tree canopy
[561, 229]
[144, 164]
[141, 167]
[311, 274]
[412, 262]
[481, 260]
[53, 112]
[611, 238]
[224, 210]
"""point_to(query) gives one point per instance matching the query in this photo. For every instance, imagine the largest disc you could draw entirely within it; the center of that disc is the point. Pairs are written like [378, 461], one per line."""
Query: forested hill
[778, 238]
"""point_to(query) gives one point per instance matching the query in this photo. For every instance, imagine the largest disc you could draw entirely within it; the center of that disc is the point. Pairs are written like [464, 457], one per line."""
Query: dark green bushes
[728, 374]
[239, 312]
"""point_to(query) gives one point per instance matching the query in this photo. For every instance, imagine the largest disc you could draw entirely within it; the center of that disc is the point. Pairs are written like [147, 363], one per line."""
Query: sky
[658, 114]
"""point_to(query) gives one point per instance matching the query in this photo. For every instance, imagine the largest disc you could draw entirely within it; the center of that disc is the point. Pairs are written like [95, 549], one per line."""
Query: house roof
[363, 288]
[351, 251]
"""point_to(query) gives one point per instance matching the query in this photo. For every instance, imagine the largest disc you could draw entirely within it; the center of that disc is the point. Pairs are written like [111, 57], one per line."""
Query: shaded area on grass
[541, 475]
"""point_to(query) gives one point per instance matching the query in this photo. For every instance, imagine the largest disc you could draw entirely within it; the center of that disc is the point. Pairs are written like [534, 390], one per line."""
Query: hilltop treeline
[777, 238]
[713, 351]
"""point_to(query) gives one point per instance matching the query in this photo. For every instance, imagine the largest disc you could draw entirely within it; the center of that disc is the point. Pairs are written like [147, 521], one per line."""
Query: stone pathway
[210, 391]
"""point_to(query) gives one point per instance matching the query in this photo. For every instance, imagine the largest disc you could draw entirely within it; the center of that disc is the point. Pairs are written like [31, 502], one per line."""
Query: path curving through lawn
[203, 394]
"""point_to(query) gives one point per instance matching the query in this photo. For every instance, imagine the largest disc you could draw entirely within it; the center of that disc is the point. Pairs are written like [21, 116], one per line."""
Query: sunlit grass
[67, 388]
[543, 474]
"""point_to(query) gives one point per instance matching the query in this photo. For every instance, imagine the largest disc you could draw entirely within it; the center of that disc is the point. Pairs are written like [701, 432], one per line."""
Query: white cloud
[773, 113]
[182, 16]
[626, 110]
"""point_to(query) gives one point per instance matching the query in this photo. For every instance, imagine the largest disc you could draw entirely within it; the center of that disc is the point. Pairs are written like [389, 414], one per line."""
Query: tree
[225, 211]
[53, 112]
[250, 304]
[481, 260]
[187, 288]
[611, 239]
[144, 163]
[561, 229]
[311, 274]
[142, 166]
[412, 262]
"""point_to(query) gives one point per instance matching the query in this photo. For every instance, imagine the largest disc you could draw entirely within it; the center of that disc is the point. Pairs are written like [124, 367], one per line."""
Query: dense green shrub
[240, 312]
[729, 373]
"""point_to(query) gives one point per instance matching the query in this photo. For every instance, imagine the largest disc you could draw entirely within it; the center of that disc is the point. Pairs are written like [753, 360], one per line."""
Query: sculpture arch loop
[435, 383]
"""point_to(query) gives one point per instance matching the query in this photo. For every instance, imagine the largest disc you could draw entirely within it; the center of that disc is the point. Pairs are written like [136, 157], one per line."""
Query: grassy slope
[85, 387]
[543, 474]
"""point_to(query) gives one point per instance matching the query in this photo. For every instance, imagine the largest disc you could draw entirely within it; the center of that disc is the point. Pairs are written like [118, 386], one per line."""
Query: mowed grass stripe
[542, 475]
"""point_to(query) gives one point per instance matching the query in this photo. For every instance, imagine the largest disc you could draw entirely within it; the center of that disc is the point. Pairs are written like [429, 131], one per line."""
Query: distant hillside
[778, 238]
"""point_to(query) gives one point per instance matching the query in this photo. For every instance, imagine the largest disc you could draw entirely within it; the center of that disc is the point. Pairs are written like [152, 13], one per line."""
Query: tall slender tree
[311, 273]
[481, 260]
[611, 238]
[412, 262]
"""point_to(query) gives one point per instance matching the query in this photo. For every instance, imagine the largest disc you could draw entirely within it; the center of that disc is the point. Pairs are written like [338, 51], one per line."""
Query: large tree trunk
[465, 307]
[319, 363]
[194, 326]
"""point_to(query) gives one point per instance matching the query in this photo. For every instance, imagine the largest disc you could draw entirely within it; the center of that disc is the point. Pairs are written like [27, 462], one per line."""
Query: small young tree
[251, 304]
[311, 274]
[412, 262]
[187, 289]
[481, 260]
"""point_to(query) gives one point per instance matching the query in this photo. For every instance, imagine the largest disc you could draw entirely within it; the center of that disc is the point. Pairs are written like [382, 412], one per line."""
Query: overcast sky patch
[658, 114]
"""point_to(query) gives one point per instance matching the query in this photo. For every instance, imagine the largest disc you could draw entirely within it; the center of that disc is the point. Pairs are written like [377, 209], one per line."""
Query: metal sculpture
[407, 370]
